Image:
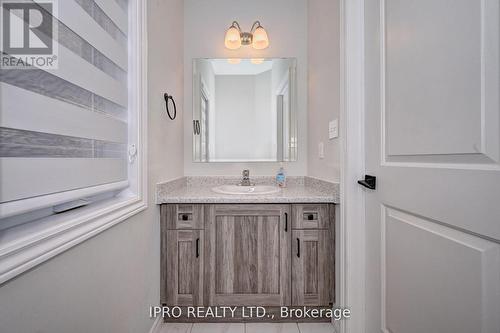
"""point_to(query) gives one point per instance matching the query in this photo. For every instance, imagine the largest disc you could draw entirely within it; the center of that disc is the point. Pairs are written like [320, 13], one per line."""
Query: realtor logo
[28, 31]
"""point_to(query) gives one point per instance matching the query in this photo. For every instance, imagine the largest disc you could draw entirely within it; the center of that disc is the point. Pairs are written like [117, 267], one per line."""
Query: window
[72, 127]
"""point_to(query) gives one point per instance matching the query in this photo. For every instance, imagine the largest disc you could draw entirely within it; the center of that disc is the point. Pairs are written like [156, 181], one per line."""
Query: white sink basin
[246, 190]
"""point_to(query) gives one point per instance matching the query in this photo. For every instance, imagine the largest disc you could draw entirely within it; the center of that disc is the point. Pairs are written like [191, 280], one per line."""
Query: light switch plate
[333, 129]
[321, 150]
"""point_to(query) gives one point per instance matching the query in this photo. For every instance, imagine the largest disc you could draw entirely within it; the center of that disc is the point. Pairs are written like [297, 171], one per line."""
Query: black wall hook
[168, 97]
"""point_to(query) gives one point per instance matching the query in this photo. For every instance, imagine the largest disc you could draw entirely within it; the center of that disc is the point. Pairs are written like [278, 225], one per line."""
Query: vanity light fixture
[234, 61]
[257, 37]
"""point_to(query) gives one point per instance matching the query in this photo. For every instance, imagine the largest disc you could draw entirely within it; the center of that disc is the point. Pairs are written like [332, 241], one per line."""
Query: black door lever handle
[369, 182]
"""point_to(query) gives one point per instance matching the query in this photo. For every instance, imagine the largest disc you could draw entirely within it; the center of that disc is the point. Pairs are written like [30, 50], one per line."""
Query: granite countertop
[199, 190]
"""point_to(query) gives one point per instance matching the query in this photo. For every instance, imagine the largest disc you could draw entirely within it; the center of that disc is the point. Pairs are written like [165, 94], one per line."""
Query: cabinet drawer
[183, 216]
[310, 216]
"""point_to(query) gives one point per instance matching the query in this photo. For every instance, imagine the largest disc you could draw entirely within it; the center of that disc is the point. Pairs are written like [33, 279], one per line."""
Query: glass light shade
[234, 61]
[232, 39]
[260, 39]
[257, 61]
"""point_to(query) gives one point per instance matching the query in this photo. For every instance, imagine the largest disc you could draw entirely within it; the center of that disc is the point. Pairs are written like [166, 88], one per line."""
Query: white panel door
[432, 139]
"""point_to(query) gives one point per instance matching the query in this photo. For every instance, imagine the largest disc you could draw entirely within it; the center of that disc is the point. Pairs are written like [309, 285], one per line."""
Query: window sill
[25, 246]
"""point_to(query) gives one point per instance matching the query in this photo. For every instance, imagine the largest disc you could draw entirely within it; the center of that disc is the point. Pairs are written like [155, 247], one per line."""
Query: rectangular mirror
[244, 110]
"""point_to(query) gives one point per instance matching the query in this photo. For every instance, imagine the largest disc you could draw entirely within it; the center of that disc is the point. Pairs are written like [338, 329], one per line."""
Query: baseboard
[156, 325]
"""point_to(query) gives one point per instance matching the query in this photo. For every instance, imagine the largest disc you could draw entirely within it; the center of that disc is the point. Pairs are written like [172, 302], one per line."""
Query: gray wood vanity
[221, 250]
[247, 254]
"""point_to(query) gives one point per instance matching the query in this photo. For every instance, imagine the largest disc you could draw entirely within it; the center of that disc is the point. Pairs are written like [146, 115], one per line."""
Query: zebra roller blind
[64, 129]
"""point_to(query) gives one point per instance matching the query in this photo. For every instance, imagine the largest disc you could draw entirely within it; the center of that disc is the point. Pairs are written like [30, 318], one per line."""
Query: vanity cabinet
[247, 254]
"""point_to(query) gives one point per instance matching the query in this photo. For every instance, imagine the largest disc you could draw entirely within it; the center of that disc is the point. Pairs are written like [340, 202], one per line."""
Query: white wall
[324, 86]
[205, 23]
[107, 283]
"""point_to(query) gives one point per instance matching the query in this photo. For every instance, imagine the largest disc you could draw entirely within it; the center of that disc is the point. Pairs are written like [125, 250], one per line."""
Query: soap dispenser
[281, 177]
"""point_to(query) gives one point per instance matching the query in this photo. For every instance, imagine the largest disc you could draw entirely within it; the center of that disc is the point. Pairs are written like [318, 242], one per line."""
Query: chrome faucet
[245, 180]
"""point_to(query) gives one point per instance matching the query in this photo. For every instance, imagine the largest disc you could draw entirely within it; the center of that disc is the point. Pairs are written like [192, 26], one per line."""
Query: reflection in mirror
[244, 110]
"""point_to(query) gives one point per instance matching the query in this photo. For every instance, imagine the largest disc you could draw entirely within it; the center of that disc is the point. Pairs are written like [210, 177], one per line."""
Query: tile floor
[247, 328]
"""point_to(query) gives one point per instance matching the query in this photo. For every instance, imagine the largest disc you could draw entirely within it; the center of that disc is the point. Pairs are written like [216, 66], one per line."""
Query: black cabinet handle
[286, 222]
[298, 248]
[197, 247]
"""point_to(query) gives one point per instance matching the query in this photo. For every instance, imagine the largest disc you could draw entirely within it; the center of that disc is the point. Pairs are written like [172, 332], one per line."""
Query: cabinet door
[184, 262]
[312, 267]
[248, 255]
